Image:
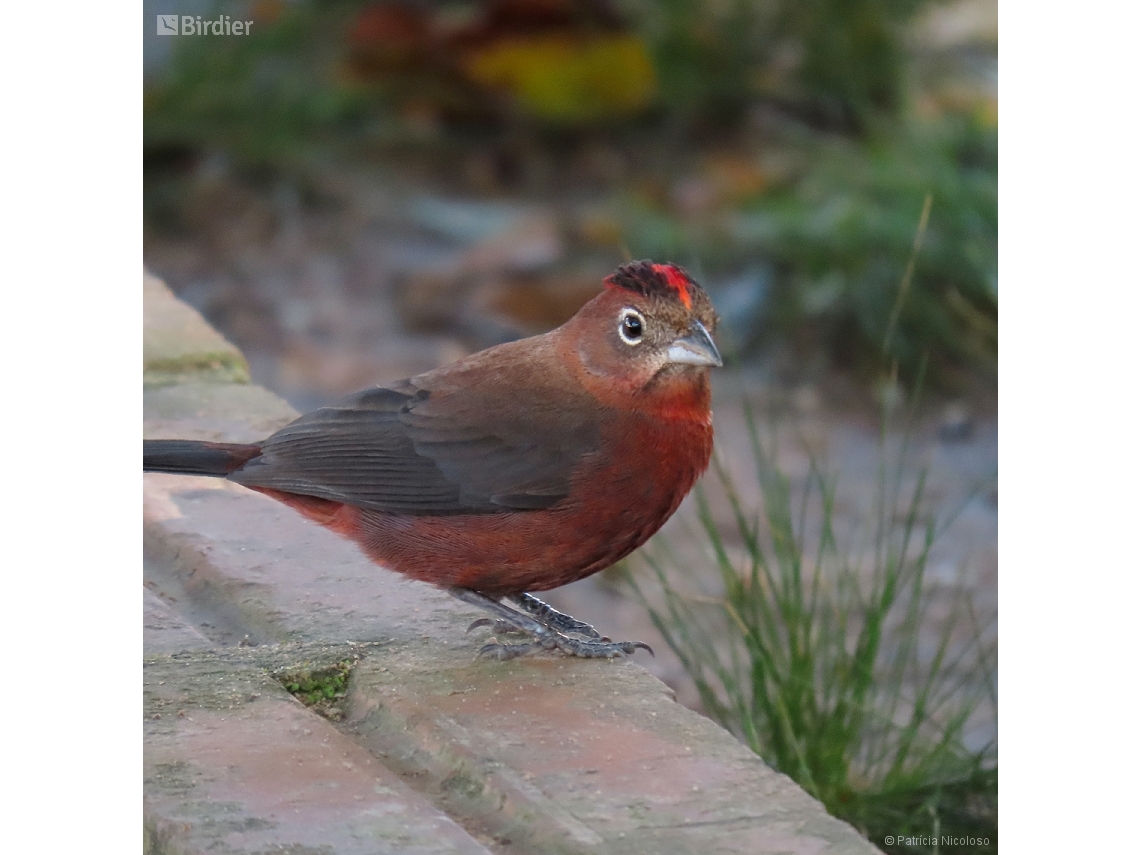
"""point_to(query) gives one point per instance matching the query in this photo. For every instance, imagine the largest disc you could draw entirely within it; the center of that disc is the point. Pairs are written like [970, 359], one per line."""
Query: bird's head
[651, 328]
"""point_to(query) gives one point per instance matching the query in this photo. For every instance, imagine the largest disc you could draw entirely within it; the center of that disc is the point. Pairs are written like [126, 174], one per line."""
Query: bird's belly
[501, 553]
[527, 550]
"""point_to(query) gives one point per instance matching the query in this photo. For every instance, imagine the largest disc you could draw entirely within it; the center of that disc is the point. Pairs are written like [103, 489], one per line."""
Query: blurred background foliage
[783, 149]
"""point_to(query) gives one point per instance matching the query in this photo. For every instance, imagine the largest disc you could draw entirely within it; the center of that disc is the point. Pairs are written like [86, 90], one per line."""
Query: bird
[517, 469]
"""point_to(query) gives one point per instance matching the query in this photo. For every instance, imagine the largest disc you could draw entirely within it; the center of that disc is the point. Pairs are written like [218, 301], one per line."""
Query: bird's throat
[679, 395]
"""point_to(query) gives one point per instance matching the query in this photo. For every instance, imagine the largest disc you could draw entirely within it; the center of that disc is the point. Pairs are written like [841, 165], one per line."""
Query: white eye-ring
[631, 327]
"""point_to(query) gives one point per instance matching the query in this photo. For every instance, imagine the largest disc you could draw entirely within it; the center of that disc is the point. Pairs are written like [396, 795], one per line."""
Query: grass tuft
[847, 669]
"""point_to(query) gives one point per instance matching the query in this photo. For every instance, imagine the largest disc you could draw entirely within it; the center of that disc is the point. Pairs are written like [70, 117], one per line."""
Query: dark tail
[190, 457]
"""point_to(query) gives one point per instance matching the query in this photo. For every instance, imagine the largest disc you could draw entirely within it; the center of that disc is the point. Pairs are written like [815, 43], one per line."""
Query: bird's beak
[696, 348]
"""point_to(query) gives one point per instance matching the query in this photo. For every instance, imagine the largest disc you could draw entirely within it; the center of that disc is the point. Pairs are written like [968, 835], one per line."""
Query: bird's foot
[553, 618]
[545, 637]
[564, 644]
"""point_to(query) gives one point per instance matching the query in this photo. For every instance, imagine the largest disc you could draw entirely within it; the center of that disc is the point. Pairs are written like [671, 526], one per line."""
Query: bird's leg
[545, 638]
[553, 618]
[545, 614]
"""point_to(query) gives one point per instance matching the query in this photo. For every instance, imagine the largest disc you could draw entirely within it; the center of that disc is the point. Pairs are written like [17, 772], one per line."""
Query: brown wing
[431, 445]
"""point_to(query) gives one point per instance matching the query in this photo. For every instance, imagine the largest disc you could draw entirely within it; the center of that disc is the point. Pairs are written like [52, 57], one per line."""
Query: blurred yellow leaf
[567, 78]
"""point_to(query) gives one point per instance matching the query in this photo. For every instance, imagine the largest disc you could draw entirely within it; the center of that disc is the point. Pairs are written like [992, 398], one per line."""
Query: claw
[492, 650]
[481, 622]
[503, 652]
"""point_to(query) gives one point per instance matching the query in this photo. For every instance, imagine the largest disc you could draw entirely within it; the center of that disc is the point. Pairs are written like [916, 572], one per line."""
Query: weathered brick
[233, 764]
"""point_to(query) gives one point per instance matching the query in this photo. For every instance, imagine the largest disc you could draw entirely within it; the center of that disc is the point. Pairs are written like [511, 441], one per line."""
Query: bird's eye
[631, 327]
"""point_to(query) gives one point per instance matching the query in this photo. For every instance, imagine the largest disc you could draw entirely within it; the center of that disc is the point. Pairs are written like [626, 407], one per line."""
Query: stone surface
[565, 756]
[438, 751]
[179, 345]
[166, 631]
[234, 764]
[203, 410]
